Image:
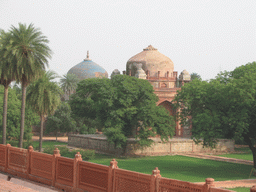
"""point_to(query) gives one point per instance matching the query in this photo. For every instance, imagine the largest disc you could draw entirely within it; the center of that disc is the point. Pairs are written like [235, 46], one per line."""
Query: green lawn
[246, 154]
[238, 156]
[240, 189]
[183, 168]
[35, 144]
[175, 167]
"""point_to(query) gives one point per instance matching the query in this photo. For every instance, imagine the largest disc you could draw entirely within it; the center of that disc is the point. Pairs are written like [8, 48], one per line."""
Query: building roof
[88, 69]
[152, 60]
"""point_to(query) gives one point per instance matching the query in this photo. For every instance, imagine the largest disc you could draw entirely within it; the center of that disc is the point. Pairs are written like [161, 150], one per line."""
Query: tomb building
[158, 69]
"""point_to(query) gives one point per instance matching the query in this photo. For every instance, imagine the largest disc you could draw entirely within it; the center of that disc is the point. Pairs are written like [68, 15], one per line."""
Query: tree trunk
[22, 114]
[41, 133]
[56, 135]
[253, 149]
[5, 113]
[254, 157]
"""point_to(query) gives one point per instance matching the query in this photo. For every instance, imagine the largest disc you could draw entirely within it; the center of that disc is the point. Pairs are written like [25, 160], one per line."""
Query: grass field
[245, 155]
[240, 189]
[183, 168]
[35, 144]
[175, 167]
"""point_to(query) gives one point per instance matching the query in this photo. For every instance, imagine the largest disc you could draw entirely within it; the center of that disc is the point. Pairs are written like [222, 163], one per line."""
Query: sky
[201, 36]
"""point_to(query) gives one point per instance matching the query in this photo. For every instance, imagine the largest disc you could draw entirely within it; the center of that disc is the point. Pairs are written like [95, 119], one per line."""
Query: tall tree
[61, 120]
[5, 76]
[125, 106]
[43, 96]
[224, 107]
[69, 83]
[195, 76]
[28, 54]
[13, 121]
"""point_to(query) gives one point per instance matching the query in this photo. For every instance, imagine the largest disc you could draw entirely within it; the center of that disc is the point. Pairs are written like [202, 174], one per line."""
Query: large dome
[88, 69]
[152, 60]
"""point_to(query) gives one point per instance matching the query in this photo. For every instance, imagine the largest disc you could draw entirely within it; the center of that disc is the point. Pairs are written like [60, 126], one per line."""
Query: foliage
[61, 120]
[43, 96]
[84, 129]
[26, 55]
[13, 122]
[124, 106]
[6, 77]
[195, 76]
[87, 154]
[69, 83]
[224, 107]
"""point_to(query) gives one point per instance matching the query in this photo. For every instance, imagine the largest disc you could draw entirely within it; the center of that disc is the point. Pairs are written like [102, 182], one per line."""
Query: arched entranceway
[168, 105]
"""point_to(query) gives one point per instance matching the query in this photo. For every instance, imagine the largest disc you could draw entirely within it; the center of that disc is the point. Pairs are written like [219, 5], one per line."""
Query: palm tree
[5, 76]
[69, 83]
[43, 96]
[29, 53]
[195, 76]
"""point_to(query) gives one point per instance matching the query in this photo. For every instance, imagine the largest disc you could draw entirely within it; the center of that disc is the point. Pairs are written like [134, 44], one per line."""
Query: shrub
[49, 149]
[86, 130]
[63, 150]
[86, 154]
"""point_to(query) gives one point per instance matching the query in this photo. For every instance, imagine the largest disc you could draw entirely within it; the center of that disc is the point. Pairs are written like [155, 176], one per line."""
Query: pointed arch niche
[168, 105]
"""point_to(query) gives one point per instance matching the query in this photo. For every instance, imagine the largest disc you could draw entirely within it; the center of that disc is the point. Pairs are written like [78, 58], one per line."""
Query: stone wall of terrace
[175, 145]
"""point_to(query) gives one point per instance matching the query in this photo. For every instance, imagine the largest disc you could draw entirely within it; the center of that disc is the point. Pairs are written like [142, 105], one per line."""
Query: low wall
[175, 145]
[75, 175]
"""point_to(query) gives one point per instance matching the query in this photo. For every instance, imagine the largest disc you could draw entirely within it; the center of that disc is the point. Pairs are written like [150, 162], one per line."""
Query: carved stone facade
[159, 70]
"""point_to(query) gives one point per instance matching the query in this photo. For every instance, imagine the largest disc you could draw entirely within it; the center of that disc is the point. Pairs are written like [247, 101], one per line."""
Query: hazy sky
[202, 36]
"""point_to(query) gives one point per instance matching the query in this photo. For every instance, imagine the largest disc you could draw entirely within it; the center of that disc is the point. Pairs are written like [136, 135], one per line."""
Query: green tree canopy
[43, 96]
[61, 120]
[125, 106]
[69, 83]
[27, 56]
[224, 107]
[13, 121]
[6, 77]
[195, 76]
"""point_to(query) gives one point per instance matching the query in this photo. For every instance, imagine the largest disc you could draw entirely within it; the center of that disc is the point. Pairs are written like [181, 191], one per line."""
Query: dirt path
[60, 139]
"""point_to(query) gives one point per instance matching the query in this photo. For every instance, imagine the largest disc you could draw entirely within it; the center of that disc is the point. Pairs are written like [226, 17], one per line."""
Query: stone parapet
[175, 145]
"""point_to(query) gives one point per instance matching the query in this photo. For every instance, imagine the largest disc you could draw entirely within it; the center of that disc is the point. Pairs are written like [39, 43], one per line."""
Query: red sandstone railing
[77, 175]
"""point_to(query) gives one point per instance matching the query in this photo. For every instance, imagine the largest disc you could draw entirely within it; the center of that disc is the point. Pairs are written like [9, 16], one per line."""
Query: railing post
[7, 157]
[78, 158]
[30, 150]
[155, 178]
[253, 188]
[209, 182]
[56, 153]
[112, 167]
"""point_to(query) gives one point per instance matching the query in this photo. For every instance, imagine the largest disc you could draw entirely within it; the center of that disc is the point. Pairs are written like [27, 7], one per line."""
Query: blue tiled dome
[88, 69]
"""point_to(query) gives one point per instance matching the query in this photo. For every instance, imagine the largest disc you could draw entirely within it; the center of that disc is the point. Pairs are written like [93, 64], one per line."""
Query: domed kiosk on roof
[88, 69]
